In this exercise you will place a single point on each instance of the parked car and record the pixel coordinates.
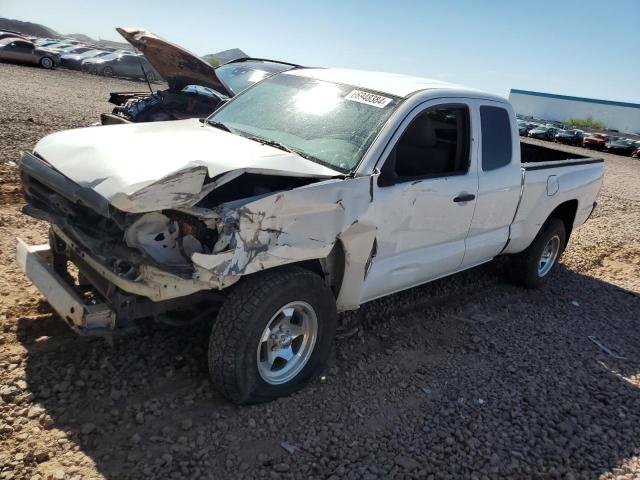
(569, 137)
(72, 49)
(90, 65)
(619, 146)
(196, 88)
(312, 192)
(122, 65)
(595, 141)
(543, 133)
(23, 51)
(56, 45)
(74, 61)
(4, 34)
(43, 42)
(523, 127)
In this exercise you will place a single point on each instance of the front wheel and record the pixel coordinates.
(46, 62)
(272, 335)
(531, 267)
(107, 72)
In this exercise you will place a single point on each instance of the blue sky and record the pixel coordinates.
(583, 48)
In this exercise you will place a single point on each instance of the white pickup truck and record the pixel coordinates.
(311, 193)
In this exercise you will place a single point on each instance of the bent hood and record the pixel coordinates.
(142, 167)
(176, 65)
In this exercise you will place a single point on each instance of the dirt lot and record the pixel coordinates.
(469, 377)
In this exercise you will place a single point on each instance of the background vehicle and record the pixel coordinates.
(123, 65)
(569, 137)
(71, 49)
(23, 51)
(312, 192)
(90, 65)
(594, 141)
(4, 34)
(543, 133)
(619, 146)
(74, 60)
(196, 88)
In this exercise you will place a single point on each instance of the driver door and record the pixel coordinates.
(424, 199)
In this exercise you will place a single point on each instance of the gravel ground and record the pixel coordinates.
(468, 377)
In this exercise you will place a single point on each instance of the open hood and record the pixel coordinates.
(176, 65)
(143, 167)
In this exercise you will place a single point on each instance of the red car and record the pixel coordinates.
(594, 140)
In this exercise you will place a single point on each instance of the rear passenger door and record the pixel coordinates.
(499, 181)
(424, 198)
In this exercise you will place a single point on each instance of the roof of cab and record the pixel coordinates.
(393, 83)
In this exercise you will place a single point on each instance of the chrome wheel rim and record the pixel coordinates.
(549, 255)
(47, 63)
(287, 342)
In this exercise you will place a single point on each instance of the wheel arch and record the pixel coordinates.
(345, 268)
(566, 212)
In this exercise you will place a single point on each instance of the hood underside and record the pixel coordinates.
(176, 65)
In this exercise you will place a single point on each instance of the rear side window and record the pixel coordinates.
(496, 137)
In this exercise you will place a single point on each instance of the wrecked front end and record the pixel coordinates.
(175, 245)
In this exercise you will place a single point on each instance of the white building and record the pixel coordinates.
(621, 116)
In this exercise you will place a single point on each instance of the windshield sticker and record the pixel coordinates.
(368, 98)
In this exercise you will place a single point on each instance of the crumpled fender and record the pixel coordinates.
(294, 226)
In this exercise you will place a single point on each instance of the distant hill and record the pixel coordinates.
(225, 56)
(28, 28)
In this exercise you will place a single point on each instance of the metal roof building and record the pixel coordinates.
(621, 116)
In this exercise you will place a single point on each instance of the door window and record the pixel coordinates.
(436, 144)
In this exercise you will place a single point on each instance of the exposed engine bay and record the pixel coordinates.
(163, 105)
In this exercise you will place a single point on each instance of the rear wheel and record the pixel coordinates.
(531, 267)
(272, 335)
(46, 62)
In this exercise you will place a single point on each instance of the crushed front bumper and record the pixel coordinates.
(35, 262)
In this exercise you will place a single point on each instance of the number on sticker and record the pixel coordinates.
(368, 98)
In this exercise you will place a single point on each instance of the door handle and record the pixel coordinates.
(467, 197)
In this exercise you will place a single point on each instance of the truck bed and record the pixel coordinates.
(537, 157)
(534, 153)
(551, 178)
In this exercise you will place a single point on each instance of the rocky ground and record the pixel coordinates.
(468, 377)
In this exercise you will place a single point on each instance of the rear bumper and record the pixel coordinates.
(35, 262)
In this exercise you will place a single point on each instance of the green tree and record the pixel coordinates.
(587, 122)
(212, 61)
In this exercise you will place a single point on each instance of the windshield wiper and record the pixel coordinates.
(219, 125)
(281, 146)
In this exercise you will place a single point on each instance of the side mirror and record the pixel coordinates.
(388, 175)
(385, 179)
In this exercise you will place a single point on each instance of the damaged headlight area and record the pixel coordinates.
(172, 237)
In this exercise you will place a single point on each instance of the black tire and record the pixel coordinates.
(107, 72)
(525, 266)
(47, 62)
(248, 310)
